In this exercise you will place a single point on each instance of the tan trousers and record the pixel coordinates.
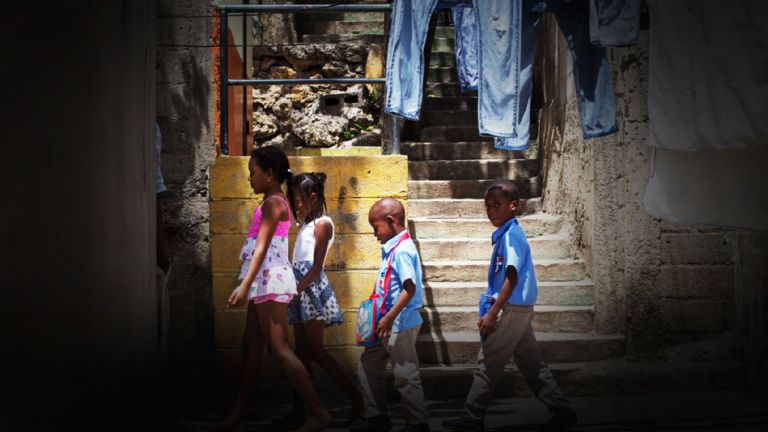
(400, 349)
(513, 337)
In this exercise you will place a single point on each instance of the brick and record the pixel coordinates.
(230, 326)
(352, 286)
(693, 316)
(357, 251)
(225, 251)
(694, 248)
(697, 281)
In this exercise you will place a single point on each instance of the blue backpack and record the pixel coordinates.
(371, 310)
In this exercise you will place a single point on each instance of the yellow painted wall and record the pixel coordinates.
(354, 183)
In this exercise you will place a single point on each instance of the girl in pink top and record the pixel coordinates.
(268, 285)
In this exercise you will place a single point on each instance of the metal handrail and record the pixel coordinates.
(225, 82)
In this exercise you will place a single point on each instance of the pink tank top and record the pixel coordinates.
(282, 226)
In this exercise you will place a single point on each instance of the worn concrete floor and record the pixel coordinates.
(723, 410)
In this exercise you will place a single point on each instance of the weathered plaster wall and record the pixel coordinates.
(658, 283)
(354, 184)
(185, 113)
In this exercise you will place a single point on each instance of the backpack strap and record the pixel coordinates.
(388, 274)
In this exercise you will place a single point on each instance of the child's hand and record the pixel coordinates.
(238, 297)
(487, 324)
(384, 327)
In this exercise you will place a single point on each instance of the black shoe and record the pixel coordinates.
(421, 427)
(379, 423)
(560, 421)
(465, 424)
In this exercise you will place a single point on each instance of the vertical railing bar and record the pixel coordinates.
(223, 87)
(245, 89)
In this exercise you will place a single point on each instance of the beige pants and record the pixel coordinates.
(400, 349)
(513, 337)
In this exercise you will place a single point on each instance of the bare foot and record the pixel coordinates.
(316, 422)
(229, 424)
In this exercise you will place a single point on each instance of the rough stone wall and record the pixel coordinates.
(658, 283)
(185, 113)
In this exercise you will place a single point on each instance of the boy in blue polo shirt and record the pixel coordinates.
(398, 328)
(511, 292)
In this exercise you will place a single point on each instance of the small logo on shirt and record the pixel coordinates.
(499, 263)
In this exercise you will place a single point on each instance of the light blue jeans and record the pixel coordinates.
(614, 22)
(505, 34)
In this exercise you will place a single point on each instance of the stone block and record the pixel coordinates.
(694, 248)
(225, 251)
(223, 284)
(231, 216)
(352, 286)
(373, 177)
(229, 328)
(356, 251)
(697, 281)
(699, 316)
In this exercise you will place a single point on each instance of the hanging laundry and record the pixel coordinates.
(505, 34)
(614, 23)
(708, 74)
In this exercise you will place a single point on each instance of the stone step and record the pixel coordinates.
(551, 270)
(452, 118)
(447, 348)
(442, 74)
(352, 39)
(443, 44)
(528, 187)
(448, 208)
(452, 134)
(340, 27)
(566, 319)
(463, 103)
(427, 228)
(568, 293)
(473, 169)
(445, 32)
(342, 16)
(468, 248)
(419, 151)
(451, 89)
(442, 59)
(591, 378)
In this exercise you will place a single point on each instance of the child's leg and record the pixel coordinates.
(538, 375)
(273, 319)
(253, 341)
(495, 352)
(313, 338)
(401, 347)
(370, 370)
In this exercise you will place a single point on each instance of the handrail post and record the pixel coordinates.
(223, 79)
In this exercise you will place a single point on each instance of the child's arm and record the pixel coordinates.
(272, 213)
(487, 324)
(323, 233)
(385, 324)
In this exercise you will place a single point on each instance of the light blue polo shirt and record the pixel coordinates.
(406, 264)
(510, 248)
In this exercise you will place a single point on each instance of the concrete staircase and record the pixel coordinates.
(355, 28)
(450, 167)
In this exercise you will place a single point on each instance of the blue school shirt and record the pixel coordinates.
(406, 264)
(510, 248)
